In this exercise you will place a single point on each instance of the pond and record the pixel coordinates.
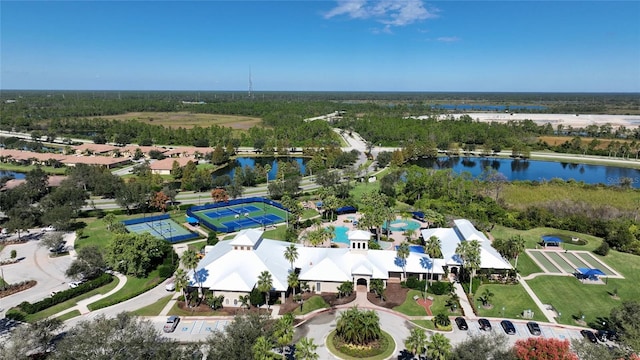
(15, 175)
(535, 170)
(262, 161)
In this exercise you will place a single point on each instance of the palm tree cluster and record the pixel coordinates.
(438, 347)
(358, 327)
(510, 248)
(469, 251)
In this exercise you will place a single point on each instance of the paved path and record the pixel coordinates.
(549, 314)
(464, 301)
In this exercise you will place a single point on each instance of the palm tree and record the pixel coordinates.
(402, 254)
(452, 302)
(328, 234)
(265, 284)
(432, 247)
(292, 281)
(306, 350)
(245, 300)
(486, 296)
(516, 247)
(469, 251)
(441, 320)
(190, 261)
(416, 342)
(439, 347)
(181, 281)
(291, 254)
(283, 332)
(262, 349)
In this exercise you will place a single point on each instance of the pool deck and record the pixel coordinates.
(397, 236)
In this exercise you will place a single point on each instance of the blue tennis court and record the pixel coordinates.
(239, 213)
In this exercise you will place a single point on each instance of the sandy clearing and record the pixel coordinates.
(582, 120)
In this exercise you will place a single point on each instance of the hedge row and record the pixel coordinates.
(63, 296)
(436, 287)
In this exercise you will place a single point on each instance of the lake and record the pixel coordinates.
(15, 175)
(535, 170)
(252, 161)
(476, 107)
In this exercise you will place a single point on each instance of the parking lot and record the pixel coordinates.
(522, 332)
(191, 329)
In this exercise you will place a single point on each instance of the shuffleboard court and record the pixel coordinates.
(544, 261)
(578, 262)
(595, 263)
(566, 267)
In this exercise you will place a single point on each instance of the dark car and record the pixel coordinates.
(485, 325)
(508, 327)
(589, 335)
(607, 335)
(462, 323)
(171, 324)
(534, 328)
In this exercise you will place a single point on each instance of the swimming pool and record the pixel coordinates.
(340, 235)
(402, 225)
(414, 248)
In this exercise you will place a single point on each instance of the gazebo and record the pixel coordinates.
(590, 274)
(551, 241)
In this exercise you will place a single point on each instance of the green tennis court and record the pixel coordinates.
(162, 229)
(241, 216)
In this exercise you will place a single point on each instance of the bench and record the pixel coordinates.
(416, 297)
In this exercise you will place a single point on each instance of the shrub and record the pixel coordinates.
(15, 314)
(165, 271)
(440, 288)
(603, 249)
(212, 239)
(63, 296)
(415, 284)
(14, 253)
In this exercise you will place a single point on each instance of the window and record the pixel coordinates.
(318, 287)
(235, 302)
(226, 301)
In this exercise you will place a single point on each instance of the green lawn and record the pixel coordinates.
(526, 265)
(71, 314)
(385, 355)
(132, 288)
(153, 309)
(410, 307)
(513, 298)
(570, 296)
(534, 236)
(313, 303)
(438, 306)
(279, 233)
(27, 168)
(71, 302)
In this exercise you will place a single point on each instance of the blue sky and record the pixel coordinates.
(359, 45)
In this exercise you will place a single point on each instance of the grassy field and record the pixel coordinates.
(70, 315)
(526, 266)
(313, 303)
(513, 298)
(153, 309)
(521, 196)
(188, 120)
(570, 296)
(279, 233)
(559, 140)
(534, 236)
(26, 168)
(410, 307)
(132, 288)
(71, 302)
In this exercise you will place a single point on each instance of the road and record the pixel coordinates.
(36, 264)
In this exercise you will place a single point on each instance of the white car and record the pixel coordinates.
(170, 287)
(75, 284)
(49, 228)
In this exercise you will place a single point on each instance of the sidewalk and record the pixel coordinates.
(464, 301)
(82, 305)
(546, 312)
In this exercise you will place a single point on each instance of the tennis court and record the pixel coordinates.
(162, 227)
(239, 214)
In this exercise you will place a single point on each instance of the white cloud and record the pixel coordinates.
(387, 12)
(448, 39)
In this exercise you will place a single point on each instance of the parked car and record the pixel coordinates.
(485, 325)
(53, 293)
(589, 335)
(170, 286)
(171, 324)
(462, 323)
(49, 228)
(508, 327)
(607, 335)
(534, 328)
(75, 284)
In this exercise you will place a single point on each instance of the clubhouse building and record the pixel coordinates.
(231, 268)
